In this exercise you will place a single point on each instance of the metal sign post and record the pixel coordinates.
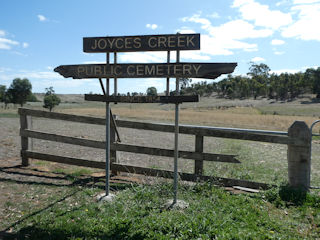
(168, 79)
(115, 79)
(107, 131)
(176, 141)
(142, 43)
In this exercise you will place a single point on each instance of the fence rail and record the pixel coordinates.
(294, 141)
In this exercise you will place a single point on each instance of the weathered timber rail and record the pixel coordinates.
(296, 141)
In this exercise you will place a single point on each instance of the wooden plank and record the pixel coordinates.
(142, 99)
(62, 116)
(64, 160)
(141, 170)
(250, 190)
(128, 148)
(182, 154)
(63, 139)
(228, 182)
(259, 136)
(233, 133)
(164, 42)
(198, 165)
(146, 70)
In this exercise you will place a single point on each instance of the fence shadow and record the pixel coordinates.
(84, 182)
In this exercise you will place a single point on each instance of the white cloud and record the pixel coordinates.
(194, 55)
(41, 18)
(151, 82)
(93, 62)
(305, 27)
(2, 33)
(258, 59)
(223, 45)
(9, 74)
(43, 79)
(197, 19)
(239, 29)
(143, 57)
(277, 42)
(278, 53)
(306, 67)
(288, 70)
(261, 15)
(222, 39)
(45, 75)
(281, 3)
(152, 26)
(214, 15)
(7, 43)
(285, 71)
(185, 30)
(305, 1)
(25, 45)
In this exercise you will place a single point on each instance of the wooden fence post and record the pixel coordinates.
(30, 126)
(299, 156)
(24, 140)
(113, 153)
(198, 164)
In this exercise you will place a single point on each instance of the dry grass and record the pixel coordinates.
(242, 117)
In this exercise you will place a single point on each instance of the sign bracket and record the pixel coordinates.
(111, 115)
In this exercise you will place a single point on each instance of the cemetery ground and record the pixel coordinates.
(56, 201)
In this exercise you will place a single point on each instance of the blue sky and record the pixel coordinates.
(37, 36)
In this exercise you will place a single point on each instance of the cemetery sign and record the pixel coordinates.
(166, 42)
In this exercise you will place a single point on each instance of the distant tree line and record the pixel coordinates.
(19, 92)
(260, 83)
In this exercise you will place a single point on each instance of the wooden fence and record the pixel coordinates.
(298, 140)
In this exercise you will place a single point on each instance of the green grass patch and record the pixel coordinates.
(289, 110)
(315, 137)
(260, 162)
(40, 163)
(8, 115)
(138, 212)
(73, 172)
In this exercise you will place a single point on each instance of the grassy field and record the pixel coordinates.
(258, 114)
(40, 210)
(139, 212)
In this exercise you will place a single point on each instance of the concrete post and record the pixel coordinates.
(299, 156)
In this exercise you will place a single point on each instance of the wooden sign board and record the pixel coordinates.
(141, 99)
(167, 42)
(153, 70)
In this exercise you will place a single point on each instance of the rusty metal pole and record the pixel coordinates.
(168, 79)
(107, 130)
(176, 140)
(115, 79)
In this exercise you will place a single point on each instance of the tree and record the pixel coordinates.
(32, 98)
(19, 90)
(184, 82)
(152, 91)
(313, 76)
(7, 99)
(50, 99)
(3, 89)
(261, 69)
